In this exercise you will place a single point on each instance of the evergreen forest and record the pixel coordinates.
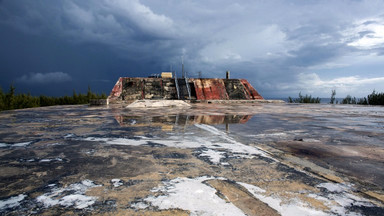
(10, 100)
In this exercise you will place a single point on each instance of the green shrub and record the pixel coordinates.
(372, 99)
(376, 98)
(348, 100)
(362, 101)
(304, 99)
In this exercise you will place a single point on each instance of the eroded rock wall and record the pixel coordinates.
(165, 88)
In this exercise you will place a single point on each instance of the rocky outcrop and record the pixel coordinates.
(127, 89)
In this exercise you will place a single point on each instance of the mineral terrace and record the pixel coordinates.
(204, 159)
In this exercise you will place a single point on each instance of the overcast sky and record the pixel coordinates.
(281, 47)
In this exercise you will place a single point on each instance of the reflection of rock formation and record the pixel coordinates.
(167, 122)
(221, 119)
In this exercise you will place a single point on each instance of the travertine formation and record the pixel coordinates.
(194, 89)
(210, 159)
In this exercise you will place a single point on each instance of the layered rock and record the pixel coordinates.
(127, 88)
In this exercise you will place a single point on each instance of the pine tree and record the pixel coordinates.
(10, 98)
(333, 97)
(2, 104)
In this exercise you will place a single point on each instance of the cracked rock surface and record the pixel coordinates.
(206, 159)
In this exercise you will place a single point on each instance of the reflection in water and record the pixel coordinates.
(169, 121)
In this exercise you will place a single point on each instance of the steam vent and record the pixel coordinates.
(167, 88)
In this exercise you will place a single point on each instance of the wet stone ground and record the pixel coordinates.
(210, 159)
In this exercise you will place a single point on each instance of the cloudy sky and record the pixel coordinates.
(281, 47)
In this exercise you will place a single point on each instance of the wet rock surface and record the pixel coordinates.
(208, 159)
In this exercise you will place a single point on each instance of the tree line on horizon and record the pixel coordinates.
(372, 99)
(10, 100)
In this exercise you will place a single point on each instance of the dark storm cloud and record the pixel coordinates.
(268, 42)
(314, 54)
(40, 78)
(123, 24)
